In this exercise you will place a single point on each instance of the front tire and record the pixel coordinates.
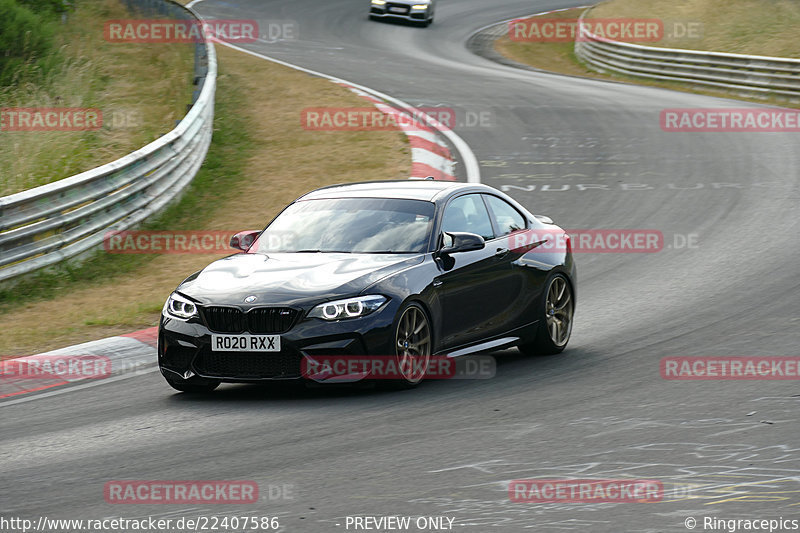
(555, 318)
(413, 343)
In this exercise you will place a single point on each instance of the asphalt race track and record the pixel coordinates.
(601, 410)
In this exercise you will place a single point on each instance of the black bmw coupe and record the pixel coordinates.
(406, 270)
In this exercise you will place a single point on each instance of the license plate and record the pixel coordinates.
(245, 343)
(398, 9)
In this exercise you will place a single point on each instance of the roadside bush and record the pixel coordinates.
(25, 38)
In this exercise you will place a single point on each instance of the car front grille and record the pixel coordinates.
(404, 8)
(244, 365)
(259, 320)
(271, 319)
(224, 319)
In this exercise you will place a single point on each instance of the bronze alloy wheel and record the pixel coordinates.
(555, 318)
(413, 344)
(558, 311)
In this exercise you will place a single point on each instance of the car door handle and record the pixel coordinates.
(501, 252)
(437, 282)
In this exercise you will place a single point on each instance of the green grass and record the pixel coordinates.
(560, 58)
(753, 27)
(120, 317)
(140, 88)
(213, 184)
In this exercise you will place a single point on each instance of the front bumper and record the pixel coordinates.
(390, 10)
(184, 348)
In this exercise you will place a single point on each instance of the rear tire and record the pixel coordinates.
(555, 318)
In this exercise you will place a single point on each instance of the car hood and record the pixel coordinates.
(291, 278)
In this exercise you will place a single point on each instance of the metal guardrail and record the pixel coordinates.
(46, 225)
(753, 75)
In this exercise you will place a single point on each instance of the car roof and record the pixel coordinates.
(428, 190)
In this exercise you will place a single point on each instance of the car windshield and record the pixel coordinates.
(351, 225)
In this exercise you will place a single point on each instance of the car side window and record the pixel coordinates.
(507, 218)
(468, 214)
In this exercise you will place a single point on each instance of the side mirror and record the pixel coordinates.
(243, 240)
(463, 242)
(544, 219)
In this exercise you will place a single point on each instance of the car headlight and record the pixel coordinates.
(179, 307)
(378, 2)
(349, 308)
(419, 6)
